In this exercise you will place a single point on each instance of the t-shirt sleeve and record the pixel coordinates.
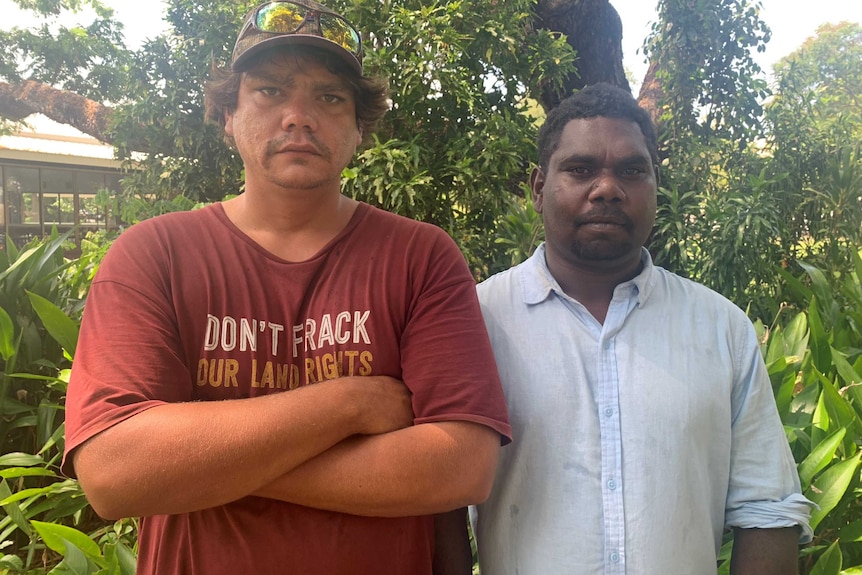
(446, 355)
(128, 357)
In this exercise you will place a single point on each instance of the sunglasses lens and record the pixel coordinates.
(287, 18)
(337, 30)
(280, 17)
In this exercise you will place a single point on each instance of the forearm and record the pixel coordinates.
(183, 457)
(421, 470)
(765, 551)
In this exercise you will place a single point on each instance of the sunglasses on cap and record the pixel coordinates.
(285, 17)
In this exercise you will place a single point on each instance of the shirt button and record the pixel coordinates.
(608, 412)
(615, 557)
(607, 345)
(612, 484)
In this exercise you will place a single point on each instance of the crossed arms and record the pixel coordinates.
(345, 445)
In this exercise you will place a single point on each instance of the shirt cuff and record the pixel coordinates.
(792, 511)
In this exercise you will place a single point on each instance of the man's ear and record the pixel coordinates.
(228, 122)
(537, 184)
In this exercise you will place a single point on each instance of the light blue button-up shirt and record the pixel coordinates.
(637, 441)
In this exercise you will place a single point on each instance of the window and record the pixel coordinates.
(34, 199)
(21, 187)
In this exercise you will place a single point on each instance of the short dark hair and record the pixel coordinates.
(371, 93)
(595, 101)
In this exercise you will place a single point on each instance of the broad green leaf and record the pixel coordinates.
(840, 412)
(12, 406)
(851, 532)
(789, 343)
(819, 284)
(36, 377)
(828, 489)
(74, 562)
(794, 285)
(796, 337)
(55, 536)
(19, 459)
(724, 557)
(818, 339)
(26, 494)
(61, 327)
(830, 562)
(7, 335)
(784, 394)
(821, 421)
(13, 511)
(14, 472)
(126, 559)
(775, 351)
(820, 457)
(845, 370)
(12, 562)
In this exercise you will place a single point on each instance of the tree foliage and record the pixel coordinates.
(814, 130)
(465, 75)
(702, 63)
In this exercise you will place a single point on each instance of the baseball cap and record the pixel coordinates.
(299, 23)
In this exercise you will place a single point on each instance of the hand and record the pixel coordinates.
(384, 404)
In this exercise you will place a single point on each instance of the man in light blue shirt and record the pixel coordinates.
(643, 416)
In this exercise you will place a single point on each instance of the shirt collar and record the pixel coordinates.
(537, 283)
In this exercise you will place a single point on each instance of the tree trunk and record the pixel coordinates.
(594, 29)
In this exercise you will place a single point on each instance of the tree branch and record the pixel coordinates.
(19, 100)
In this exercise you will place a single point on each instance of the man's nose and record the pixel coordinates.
(606, 188)
(298, 114)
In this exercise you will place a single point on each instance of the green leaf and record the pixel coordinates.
(845, 370)
(840, 412)
(820, 353)
(126, 559)
(74, 562)
(56, 536)
(23, 494)
(7, 335)
(829, 562)
(819, 284)
(12, 562)
(14, 472)
(851, 532)
(828, 489)
(59, 325)
(820, 456)
(18, 459)
(13, 511)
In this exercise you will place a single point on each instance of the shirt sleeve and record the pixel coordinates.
(446, 355)
(764, 490)
(129, 357)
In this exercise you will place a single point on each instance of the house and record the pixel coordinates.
(53, 175)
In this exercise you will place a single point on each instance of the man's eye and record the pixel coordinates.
(579, 170)
(268, 91)
(633, 171)
(332, 98)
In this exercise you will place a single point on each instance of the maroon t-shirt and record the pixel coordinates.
(186, 307)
